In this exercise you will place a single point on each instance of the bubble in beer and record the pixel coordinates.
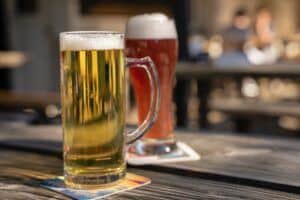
(151, 26)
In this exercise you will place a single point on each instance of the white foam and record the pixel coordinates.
(91, 40)
(151, 26)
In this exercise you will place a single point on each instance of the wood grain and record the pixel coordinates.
(20, 174)
(267, 159)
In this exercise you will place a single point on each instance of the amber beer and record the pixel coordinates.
(154, 35)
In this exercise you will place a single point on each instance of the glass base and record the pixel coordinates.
(153, 147)
(93, 181)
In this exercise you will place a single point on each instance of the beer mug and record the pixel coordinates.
(93, 106)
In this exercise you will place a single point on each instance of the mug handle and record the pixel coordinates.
(148, 65)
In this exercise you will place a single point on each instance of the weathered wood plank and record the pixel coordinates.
(270, 159)
(166, 186)
(256, 158)
(21, 172)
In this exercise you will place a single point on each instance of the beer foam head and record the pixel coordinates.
(91, 40)
(151, 26)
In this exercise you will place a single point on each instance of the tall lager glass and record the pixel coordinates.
(93, 106)
(154, 35)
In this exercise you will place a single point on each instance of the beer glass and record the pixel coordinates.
(93, 106)
(153, 35)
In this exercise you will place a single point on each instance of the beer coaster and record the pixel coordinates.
(131, 181)
(183, 153)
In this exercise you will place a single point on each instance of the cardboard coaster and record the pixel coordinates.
(184, 153)
(131, 181)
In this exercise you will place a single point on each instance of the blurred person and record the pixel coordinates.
(197, 47)
(264, 27)
(264, 47)
(238, 32)
(235, 37)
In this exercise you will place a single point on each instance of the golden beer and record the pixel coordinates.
(93, 111)
(93, 107)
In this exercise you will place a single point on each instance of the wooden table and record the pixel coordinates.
(232, 167)
(205, 73)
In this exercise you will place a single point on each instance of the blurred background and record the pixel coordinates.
(238, 67)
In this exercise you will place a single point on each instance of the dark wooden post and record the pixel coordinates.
(181, 92)
(5, 75)
(204, 89)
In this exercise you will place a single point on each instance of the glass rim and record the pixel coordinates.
(83, 33)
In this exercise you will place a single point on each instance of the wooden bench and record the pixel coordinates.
(38, 102)
(206, 73)
(248, 107)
